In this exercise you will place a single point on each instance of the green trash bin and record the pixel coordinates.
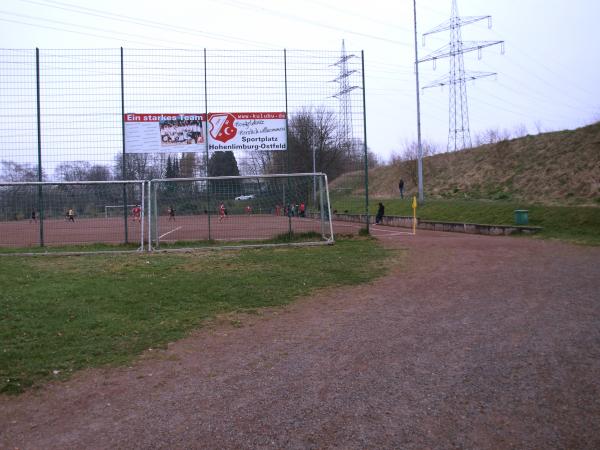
(521, 216)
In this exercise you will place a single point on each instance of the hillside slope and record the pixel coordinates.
(551, 168)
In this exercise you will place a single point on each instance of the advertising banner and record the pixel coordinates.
(173, 133)
(256, 131)
(166, 133)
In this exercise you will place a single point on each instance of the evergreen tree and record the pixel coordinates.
(222, 164)
(176, 173)
(169, 169)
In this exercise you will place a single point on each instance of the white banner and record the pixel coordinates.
(246, 131)
(173, 133)
(166, 133)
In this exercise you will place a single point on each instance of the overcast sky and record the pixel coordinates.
(548, 78)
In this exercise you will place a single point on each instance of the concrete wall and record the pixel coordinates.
(456, 227)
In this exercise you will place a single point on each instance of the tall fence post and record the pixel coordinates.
(206, 143)
(124, 160)
(149, 215)
(287, 170)
(362, 58)
(156, 213)
(39, 143)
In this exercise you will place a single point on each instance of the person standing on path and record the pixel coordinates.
(401, 187)
(380, 213)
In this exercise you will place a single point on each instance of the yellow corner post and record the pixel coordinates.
(414, 207)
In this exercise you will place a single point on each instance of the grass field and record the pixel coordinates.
(554, 168)
(579, 224)
(62, 314)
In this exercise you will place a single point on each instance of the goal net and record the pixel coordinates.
(240, 210)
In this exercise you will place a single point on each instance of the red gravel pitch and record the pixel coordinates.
(112, 230)
(471, 342)
(23, 233)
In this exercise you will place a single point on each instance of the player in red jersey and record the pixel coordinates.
(136, 212)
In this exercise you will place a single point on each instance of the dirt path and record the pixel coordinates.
(476, 342)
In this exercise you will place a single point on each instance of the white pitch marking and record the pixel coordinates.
(399, 233)
(388, 231)
(169, 232)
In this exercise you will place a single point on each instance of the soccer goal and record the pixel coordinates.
(117, 210)
(67, 214)
(240, 211)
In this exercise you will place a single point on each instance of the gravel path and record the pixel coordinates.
(470, 342)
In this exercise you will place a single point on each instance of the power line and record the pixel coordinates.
(359, 15)
(87, 27)
(539, 96)
(519, 107)
(253, 7)
(83, 33)
(142, 22)
(551, 71)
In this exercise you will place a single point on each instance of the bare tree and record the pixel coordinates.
(373, 159)
(409, 154)
(16, 172)
(81, 171)
(258, 163)
(138, 166)
(314, 133)
(538, 126)
(520, 130)
(492, 136)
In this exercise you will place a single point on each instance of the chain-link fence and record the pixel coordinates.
(63, 115)
(62, 214)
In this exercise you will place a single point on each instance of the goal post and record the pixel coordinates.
(116, 210)
(67, 214)
(240, 210)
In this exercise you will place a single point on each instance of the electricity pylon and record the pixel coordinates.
(459, 135)
(343, 95)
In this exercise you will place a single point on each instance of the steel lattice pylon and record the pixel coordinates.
(343, 95)
(459, 135)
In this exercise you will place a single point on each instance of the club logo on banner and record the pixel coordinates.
(222, 127)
